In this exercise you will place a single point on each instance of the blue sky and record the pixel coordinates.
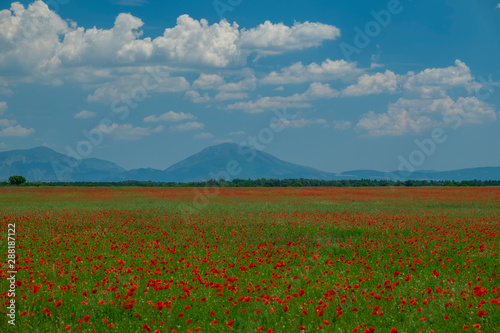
(364, 84)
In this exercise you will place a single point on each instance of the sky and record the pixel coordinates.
(334, 85)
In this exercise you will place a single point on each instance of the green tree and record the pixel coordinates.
(17, 180)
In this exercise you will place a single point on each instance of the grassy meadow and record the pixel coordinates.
(252, 259)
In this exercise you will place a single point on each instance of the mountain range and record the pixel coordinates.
(227, 160)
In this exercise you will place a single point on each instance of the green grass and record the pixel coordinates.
(88, 240)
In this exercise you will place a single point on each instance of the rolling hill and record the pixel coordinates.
(227, 160)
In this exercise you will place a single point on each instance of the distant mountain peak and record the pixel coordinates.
(229, 161)
(223, 145)
(41, 148)
(226, 147)
(225, 160)
(44, 164)
(34, 150)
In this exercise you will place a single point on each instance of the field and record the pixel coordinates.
(252, 259)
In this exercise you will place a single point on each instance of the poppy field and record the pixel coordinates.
(251, 259)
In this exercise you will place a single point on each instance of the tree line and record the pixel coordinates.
(264, 182)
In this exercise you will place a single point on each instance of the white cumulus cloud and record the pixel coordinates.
(429, 83)
(414, 115)
(196, 97)
(341, 125)
(10, 129)
(297, 123)
(131, 88)
(370, 84)
(16, 130)
(319, 90)
(3, 107)
(225, 96)
(269, 38)
(128, 131)
(37, 44)
(433, 82)
(274, 102)
(84, 114)
(326, 71)
(208, 81)
(170, 116)
(315, 91)
(246, 84)
(189, 126)
(7, 122)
